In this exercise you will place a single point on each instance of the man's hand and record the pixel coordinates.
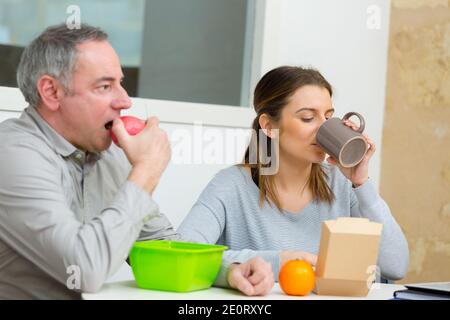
(148, 152)
(253, 278)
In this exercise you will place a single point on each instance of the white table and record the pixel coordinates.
(128, 290)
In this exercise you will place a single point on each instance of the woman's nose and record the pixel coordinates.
(322, 120)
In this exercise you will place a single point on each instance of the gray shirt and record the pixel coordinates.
(63, 210)
(228, 212)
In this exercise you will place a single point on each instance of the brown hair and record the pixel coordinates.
(271, 94)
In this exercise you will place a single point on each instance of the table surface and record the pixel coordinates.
(128, 290)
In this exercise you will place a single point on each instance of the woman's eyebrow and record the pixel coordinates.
(313, 110)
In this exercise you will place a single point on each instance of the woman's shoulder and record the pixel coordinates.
(228, 186)
(235, 175)
(230, 179)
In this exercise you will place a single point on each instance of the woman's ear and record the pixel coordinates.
(51, 92)
(266, 125)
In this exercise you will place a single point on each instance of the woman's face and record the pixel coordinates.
(308, 108)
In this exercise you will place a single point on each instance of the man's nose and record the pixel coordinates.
(122, 101)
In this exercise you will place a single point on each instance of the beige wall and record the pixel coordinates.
(415, 170)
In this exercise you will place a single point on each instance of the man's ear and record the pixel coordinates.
(266, 125)
(51, 92)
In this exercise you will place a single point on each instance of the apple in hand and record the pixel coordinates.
(133, 126)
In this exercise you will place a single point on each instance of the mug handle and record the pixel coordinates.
(361, 120)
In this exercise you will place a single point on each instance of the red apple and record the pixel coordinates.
(133, 126)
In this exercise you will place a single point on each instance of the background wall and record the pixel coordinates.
(415, 170)
(338, 39)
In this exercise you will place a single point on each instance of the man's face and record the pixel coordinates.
(96, 97)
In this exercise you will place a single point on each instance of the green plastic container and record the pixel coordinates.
(175, 266)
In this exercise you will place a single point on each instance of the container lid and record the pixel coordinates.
(178, 246)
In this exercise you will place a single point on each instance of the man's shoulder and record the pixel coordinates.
(20, 142)
(11, 126)
(17, 133)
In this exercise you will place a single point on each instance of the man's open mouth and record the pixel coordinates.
(108, 125)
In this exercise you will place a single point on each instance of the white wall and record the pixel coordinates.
(198, 152)
(334, 37)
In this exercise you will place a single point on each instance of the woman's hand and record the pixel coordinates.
(285, 256)
(252, 278)
(360, 173)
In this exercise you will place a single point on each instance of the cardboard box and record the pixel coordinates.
(347, 257)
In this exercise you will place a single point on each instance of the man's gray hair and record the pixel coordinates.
(53, 53)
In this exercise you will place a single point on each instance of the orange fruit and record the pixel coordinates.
(297, 278)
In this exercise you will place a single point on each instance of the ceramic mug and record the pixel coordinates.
(342, 142)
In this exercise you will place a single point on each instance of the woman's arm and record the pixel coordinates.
(393, 256)
(202, 225)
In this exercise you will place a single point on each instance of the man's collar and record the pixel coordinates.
(57, 141)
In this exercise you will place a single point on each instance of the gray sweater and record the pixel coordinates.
(228, 212)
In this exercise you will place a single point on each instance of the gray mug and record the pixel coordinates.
(342, 142)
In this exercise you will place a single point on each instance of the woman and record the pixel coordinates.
(278, 216)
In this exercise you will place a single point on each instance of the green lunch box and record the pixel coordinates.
(175, 266)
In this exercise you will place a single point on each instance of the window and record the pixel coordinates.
(179, 50)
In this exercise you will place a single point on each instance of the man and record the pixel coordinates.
(69, 199)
